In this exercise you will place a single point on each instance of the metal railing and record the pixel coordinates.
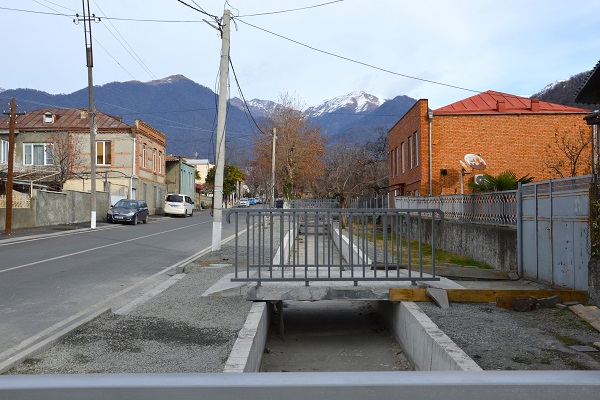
(417, 385)
(306, 245)
(494, 208)
(314, 203)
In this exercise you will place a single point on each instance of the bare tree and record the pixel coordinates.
(569, 154)
(298, 153)
(67, 155)
(355, 170)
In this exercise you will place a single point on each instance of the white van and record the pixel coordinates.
(178, 204)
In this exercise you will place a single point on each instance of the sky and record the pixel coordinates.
(313, 50)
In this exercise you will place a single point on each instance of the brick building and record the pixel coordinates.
(509, 132)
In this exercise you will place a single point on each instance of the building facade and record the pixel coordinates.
(509, 132)
(52, 149)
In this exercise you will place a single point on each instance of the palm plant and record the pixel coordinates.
(506, 180)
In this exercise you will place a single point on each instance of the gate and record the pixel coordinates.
(554, 231)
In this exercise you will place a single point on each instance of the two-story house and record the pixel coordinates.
(52, 149)
(426, 147)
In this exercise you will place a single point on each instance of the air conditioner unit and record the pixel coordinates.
(478, 178)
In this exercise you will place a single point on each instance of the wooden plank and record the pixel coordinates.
(490, 295)
(590, 314)
(487, 295)
(409, 294)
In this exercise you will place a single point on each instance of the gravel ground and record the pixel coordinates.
(504, 339)
(177, 331)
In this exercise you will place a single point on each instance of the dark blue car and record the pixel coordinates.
(131, 211)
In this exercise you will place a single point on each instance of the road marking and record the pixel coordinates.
(98, 248)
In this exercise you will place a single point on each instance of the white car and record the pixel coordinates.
(244, 202)
(178, 204)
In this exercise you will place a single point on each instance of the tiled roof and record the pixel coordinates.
(64, 119)
(492, 102)
(589, 92)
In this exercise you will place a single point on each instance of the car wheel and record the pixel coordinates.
(135, 220)
(145, 220)
(192, 213)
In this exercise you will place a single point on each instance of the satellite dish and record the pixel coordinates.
(475, 161)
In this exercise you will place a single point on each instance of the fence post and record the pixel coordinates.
(520, 229)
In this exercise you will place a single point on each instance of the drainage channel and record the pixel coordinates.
(331, 336)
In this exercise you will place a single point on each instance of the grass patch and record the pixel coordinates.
(441, 256)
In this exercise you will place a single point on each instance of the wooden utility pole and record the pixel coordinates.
(87, 29)
(220, 146)
(11, 158)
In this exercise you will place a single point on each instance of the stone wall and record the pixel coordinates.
(494, 245)
(54, 208)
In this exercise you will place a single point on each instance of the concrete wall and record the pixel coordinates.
(54, 208)
(422, 341)
(491, 244)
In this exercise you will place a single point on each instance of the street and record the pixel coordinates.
(46, 283)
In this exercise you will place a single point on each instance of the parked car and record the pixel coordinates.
(251, 201)
(258, 200)
(178, 204)
(244, 202)
(131, 211)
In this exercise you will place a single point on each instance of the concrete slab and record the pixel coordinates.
(439, 296)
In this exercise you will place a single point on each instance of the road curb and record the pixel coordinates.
(49, 342)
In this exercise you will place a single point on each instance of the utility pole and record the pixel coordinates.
(87, 30)
(273, 168)
(220, 146)
(11, 157)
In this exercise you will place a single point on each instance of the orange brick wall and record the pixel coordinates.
(518, 142)
(414, 121)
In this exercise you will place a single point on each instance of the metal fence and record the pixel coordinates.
(20, 201)
(314, 203)
(305, 245)
(417, 385)
(494, 208)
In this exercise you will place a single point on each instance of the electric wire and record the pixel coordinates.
(291, 10)
(246, 107)
(127, 48)
(356, 61)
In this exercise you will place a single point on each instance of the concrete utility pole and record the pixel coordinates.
(11, 157)
(87, 29)
(220, 146)
(273, 168)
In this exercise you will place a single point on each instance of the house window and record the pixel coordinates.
(154, 160)
(410, 153)
(37, 154)
(3, 152)
(403, 156)
(416, 141)
(103, 153)
(396, 160)
(160, 161)
(144, 156)
(48, 117)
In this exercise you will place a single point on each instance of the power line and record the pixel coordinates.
(135, 56)
(291, 10)
(243, 98)
(356, 61)
(199, 9)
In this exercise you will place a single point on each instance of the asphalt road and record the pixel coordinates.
(48, 282)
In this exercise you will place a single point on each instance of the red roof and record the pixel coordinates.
(491, 102)
(64, 119)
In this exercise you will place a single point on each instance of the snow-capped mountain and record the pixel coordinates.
(355, 102)
(258, 108)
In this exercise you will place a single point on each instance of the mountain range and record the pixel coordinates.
(186, 111)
